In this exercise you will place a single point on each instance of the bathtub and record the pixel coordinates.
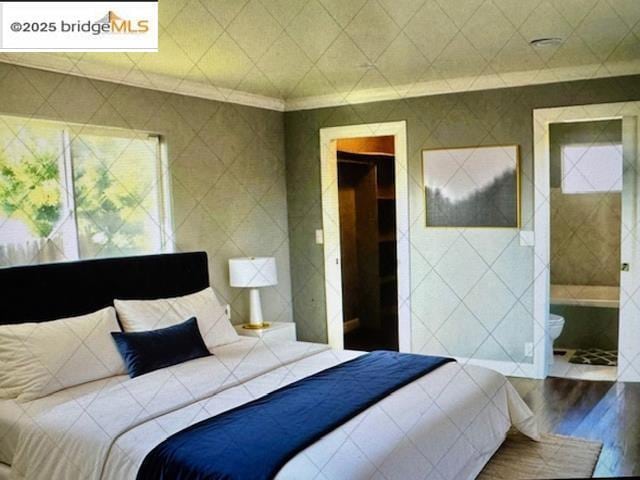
(585, 296)
(590, 313)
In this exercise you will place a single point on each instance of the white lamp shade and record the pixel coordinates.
(253, 272)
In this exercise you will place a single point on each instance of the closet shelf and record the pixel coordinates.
(387, 238)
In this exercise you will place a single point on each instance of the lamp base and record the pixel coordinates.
(256, 326)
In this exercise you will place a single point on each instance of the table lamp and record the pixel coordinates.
(253, 273)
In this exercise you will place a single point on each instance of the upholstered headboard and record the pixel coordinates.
(57, 290)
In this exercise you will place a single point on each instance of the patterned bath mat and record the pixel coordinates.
(595, 356)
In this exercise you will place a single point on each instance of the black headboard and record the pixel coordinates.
(57, 290)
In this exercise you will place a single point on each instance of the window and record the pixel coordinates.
(591, 168)
(69, 192)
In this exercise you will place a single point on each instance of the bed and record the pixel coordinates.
(444, 425)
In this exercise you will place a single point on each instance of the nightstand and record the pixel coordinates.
(277, 331)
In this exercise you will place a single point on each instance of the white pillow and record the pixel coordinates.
(41, 358)
(215, 327)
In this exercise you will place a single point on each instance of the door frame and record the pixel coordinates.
(331, 225)
(628, 354)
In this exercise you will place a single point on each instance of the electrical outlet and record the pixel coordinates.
(319, 237)
(528, 349)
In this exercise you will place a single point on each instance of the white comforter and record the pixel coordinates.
(446, 424)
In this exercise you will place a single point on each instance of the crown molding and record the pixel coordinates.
(465, 84)
(136, 78)
(165, 83)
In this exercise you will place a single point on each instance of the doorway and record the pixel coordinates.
(365, 190)
(586, 230)
(619, 128)
(366, 197)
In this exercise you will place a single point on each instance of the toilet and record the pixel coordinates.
(556, 324)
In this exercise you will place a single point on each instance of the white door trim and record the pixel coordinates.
(629, 353)
(331, 225)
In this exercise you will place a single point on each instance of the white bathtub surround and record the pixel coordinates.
(585, 296)
(562, 368)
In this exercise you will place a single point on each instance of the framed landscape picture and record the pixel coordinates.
(472, 186)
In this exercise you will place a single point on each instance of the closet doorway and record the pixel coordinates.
(365, 236)
(366, 197)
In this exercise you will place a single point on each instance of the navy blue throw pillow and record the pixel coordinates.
(144, 352)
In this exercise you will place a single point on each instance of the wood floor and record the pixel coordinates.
(604, 411)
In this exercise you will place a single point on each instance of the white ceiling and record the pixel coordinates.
(307, 53)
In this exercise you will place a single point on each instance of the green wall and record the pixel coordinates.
(587, 327)
(226, 163)
(586, 227)
(471, 289)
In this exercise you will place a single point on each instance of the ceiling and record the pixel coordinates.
(305, 53)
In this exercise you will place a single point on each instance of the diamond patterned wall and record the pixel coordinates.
(226, 163)
(471, 289)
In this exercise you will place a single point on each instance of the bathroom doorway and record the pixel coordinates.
(585, 240)
(586, 165)
(366, 191)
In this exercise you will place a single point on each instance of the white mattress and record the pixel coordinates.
(446, 424)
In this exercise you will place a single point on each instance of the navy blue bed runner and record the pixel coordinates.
(255, 440)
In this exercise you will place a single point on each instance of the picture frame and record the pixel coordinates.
(472, 187)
